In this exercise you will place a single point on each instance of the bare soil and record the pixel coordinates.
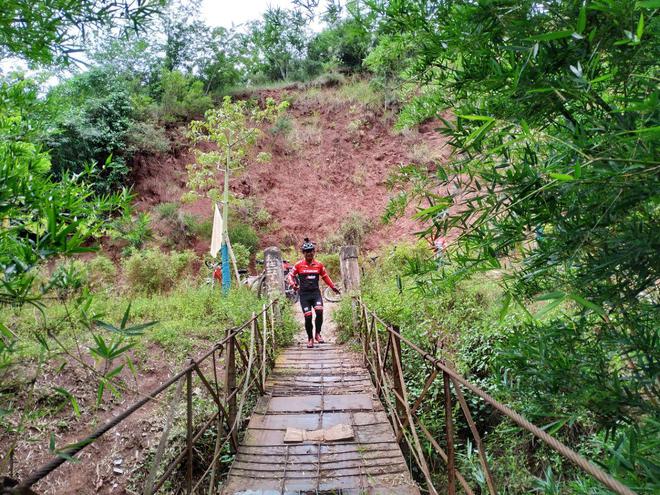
(334, 162)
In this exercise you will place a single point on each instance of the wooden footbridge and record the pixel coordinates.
(314, 389)
(285, 443)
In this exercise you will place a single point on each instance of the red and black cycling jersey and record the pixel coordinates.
(308, 276)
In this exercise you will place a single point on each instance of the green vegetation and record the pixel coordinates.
(547, 296)
(463, 322)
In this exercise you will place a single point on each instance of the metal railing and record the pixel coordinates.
(383, 358)
(245, 366)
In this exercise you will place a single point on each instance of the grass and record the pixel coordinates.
(358, 93)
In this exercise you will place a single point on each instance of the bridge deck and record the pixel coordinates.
(312, 389)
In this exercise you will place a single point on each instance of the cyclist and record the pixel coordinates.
(309, 271)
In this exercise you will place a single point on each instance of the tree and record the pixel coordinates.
(41, 217)
(52, 31)
(91, 127)
(281, 38)
(233, 127)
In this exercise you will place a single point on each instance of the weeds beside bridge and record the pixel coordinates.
(244, 358)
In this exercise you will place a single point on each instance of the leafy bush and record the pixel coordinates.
(351, 232)
(242, 255)
(69, 278)
(201, 227)
(242, 233)
(152, 271)
(133, 230)
(282, 126)
(92, 125)
(167, 211)
(181, 97)
(101, 272)
(147, 138)
(331, 263)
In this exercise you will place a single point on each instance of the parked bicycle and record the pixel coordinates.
(257, 283)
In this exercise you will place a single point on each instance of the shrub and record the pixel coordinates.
(182, 97)
(283, 125)
(242, 233)
(152, 271)
(264, 157)
(242, 255)
(133, 230)
(101, 272)
(68, 278)
(331, 263)
(146, 138)
(167, 211)
(352, 231)
(200, 227)
(92, 127)
(329, 80)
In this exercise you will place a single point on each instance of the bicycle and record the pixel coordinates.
(331, 296)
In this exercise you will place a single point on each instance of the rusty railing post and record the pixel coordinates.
(259, 346)
(264, 343)
(230, 388)
(189, 433)
(397, 370)
(449, 427)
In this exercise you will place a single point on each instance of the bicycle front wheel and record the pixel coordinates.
(330, 295)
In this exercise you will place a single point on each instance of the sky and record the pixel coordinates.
(225, 12)
(214, 12)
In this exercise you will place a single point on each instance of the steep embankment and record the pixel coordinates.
(330, 158)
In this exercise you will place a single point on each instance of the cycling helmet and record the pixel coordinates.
(307, 245)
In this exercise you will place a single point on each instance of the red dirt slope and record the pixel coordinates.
(334, 161)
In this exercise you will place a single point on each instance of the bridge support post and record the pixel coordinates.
(350, 276)
(274, 276)
(350, 270)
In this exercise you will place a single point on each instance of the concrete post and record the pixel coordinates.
(350, 276)
(274, 276)
(350, 270)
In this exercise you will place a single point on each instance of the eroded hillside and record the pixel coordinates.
(330, 158)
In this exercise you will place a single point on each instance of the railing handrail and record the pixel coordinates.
(63, 456)
(580, 461)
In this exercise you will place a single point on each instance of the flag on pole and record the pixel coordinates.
(217, 234)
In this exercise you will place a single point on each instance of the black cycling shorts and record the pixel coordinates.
(311, 301)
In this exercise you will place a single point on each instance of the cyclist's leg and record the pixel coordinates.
(307, 303)
(318, 309)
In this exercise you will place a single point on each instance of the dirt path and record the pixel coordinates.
(313, 389)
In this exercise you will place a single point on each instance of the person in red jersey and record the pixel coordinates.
(305, 277)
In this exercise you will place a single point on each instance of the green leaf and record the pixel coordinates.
(582, 20)
(648, 4)
(561, 177)
(588, 304)
(549, 307)
(71, 398)
(640, 27)
(5, 331)
(51, 443)
(555, 35)
(139, 329)
(99, 393)
(550, 295)
(125, 318)
(483, 118)
(114, 372)
(506, 303)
